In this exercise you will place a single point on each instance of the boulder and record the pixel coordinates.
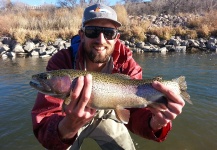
(153, 39)
(4, 47)
(163, 50)
(50, 50)
(18, 48)
(193, 43)
(29, 46)
(34, 53)
(140, 45)
(11, 54)
(180, 48)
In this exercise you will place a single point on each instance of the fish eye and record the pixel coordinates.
(45, 76)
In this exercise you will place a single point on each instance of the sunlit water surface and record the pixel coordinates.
(194, 129)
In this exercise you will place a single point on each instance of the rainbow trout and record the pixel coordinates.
(109, 91)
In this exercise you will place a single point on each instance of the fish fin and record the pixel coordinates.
(183, 87)
(67, 100)
(182, 83)
(186, 97)
(158, 78)
(122, 114)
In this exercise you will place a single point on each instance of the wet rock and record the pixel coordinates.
(163, 50)
(4, 47)
(193, 43)
(140, 45)
(59, 43)
(18, 48)
(11, 54)
(174, 42)
(153, 39)
(67, 44)
(34, 53)
(163, 42)
(29, 46)
(180, 48)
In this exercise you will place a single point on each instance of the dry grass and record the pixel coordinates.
(198, 26)
(205, 25)
(139, 30)
(122, 14)
(47, 25)
(163, 33)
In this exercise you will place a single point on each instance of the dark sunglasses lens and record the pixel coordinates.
(110, 33)
(93, 32)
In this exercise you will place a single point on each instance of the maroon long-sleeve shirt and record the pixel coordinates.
(47, 111)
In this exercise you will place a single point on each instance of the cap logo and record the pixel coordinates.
(100, 10)
(97, 9)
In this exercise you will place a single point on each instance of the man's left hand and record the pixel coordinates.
(174, 107)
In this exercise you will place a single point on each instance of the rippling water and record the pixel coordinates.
(194, 129)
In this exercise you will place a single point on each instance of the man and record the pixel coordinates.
(99, 50)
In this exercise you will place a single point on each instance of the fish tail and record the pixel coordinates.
(183, 87)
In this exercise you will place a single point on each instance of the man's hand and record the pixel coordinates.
(77, 113)
(174, 105)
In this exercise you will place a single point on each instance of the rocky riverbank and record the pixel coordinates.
(175, 44)
(10, 48)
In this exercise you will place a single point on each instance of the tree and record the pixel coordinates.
(7, 4)
(67, 3)
(74, 3)
(210, 5)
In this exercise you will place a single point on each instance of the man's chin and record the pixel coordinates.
(99, 61)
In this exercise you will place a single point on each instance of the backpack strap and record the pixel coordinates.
(75, 41)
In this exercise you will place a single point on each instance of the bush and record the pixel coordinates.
(45, 24)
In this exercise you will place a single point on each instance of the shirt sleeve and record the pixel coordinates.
(47, 110)
(139, 124)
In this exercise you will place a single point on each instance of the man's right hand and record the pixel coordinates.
(77, 113)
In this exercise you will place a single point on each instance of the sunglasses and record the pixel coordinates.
(94, 32)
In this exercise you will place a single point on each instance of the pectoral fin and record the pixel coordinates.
(66, 102)
(122, 114)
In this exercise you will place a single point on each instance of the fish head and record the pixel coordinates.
(52, 83)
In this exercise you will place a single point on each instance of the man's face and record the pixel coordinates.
(98, 49)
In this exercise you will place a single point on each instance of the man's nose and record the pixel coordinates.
(101, 39)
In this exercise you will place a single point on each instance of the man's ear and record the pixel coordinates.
(118, 36)
(81, 34)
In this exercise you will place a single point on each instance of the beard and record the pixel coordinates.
(98, 57)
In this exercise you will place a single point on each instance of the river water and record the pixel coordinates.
(194, 129)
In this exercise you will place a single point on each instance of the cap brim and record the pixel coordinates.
(117, 24)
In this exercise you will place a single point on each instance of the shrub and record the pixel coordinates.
(163, 32)
(122, 15)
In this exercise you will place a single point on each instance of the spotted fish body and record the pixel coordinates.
(109, 91)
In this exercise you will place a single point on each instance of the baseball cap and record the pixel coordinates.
(100, 11)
